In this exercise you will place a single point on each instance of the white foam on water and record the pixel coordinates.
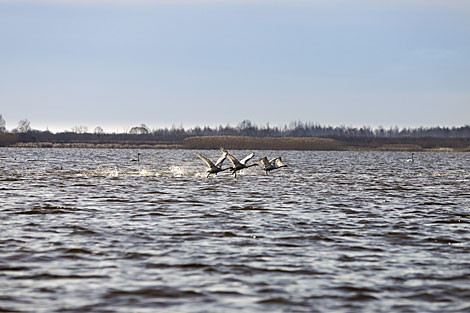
(144, 172)
(113, 173)
(105, 171)
(177, 171)
(200, 174)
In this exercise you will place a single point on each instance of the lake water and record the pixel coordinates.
(86, 230)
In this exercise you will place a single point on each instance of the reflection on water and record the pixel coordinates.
(89, 231)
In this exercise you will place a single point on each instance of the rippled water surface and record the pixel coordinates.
(89, 231)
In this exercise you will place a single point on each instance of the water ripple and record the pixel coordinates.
(85, 230)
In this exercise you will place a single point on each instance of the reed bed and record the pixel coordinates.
(400, 147)
(262, 143)
(8, 139)
(258, 143)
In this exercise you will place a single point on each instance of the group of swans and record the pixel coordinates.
(239, 165)
(268, 165)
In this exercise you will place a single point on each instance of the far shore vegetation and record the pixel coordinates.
(246, 135)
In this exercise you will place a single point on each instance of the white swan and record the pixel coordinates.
(217, 167)
(412, 158)
(239, 165)
(136, 160)
(274, 164)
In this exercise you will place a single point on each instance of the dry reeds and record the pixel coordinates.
(400, 147)
(249, 142)
(262, 143)
(7, 139)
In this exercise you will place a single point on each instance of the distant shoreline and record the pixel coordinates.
(87, 145)
(272, 143)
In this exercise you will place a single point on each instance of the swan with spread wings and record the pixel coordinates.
(217, 167)
(274, 164)
(240, 165)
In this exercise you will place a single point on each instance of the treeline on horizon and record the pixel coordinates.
(177, 135)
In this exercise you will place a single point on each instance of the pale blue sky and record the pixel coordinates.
(117, 64)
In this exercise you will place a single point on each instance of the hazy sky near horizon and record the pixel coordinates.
(117, 64)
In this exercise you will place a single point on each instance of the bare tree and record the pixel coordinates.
(2, 124)
(24, 126)
(98, 130)
(138, 130)
(80, 129)
(245, 124)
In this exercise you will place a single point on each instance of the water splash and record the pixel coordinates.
(177, 171)
(106, 171)
(200, 174)
(143, 172)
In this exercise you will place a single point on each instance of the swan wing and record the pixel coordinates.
(232, 159)
(221, 159)
(265, 162)
(206, 160)
(247, 158)
(278, 162)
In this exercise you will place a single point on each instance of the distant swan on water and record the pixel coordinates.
(217, 167)
(239, 165)
(136, 160)
(274, 164)
(412, 159)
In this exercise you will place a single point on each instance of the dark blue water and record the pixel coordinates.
(89, 231)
